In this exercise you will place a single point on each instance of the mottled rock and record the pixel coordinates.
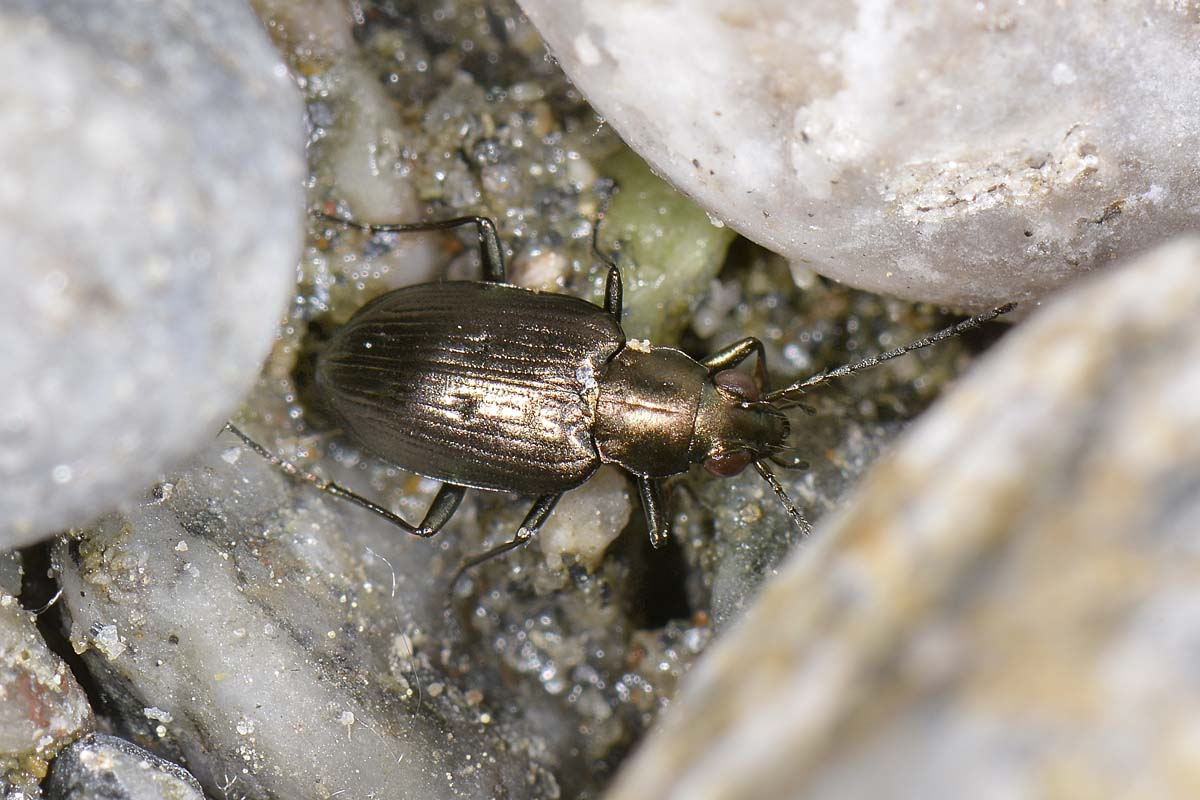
(151, 206)
(42, 707)
(960, 153)
(666, 247)
(1008, 603)
(103, 767)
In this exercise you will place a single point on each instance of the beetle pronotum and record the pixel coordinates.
(480, 384)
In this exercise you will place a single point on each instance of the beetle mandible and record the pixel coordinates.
(485, 385)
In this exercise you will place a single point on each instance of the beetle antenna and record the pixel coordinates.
(867, 363)
(796, 515)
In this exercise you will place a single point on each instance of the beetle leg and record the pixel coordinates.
(439, 513)
(733, 354)
(612, 293)
(532, 523)
(656, 521)
(490, 252)
(444, 504)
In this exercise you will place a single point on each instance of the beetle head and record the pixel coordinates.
(734, 427)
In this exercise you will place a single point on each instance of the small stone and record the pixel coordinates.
(42, 708)
(107, 639)
(245, 705)
(587, 520)
(103, 767)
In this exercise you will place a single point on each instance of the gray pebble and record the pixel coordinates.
(103, 767)
(151, 208)
(969, 154)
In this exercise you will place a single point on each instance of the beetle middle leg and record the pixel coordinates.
(444, 504)
(490, 252)
(532, 523)
(651, 492)
(733, 354)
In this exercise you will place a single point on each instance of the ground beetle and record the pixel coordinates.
(480, 384)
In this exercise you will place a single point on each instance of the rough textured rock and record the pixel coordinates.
(276, 642)
(103, 767)
(151, 206)
(960, 153)
(1008, 603)
(42, 707)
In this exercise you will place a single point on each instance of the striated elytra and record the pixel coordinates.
(480, 384)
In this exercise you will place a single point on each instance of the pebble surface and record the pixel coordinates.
(967, 154)
(151, 207)
(103, 767)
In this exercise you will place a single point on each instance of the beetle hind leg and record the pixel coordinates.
(440, 510)
(532, 523)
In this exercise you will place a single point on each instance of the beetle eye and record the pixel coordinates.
(737, 384)
(726, 465)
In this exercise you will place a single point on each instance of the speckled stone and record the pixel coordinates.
(103, 767)
(1011, 601)
(42, 708)
(151, 158)
(959, 153)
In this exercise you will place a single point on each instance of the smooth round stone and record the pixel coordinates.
(961, 153)
(151, 206)
(1009, 604)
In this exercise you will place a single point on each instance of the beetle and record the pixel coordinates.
(486, 385)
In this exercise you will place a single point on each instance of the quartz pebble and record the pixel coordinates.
(151, 207)
(967, 154)
(1011, 598)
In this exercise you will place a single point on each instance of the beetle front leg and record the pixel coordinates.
(731, 355)
(532, 523)
(652, 504)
